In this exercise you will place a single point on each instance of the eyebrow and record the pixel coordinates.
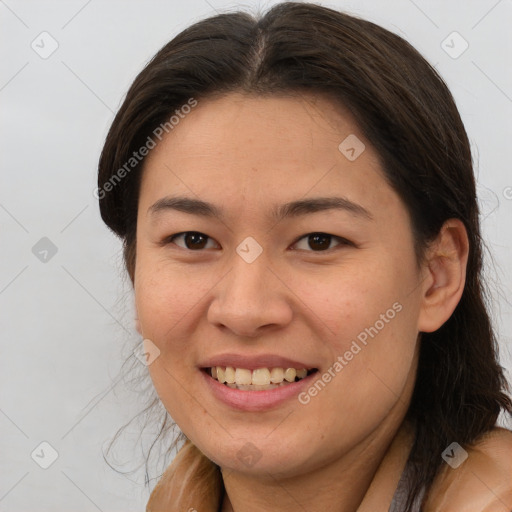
(291, 209)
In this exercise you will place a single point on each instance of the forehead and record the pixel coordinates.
(271, 125)
(265, 149)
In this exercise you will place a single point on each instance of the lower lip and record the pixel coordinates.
(256, 400)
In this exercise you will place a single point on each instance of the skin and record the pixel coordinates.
(483, 482)
(245, 155)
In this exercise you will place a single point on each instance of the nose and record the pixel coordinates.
(251, 300)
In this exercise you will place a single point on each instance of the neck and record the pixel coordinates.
(359, 481)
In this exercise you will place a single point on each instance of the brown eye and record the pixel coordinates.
(192, 240)
(318, 242)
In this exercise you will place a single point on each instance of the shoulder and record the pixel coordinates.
(482, 483)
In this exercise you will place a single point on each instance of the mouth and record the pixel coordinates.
(259, 379)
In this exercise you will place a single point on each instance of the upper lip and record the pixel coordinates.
(253, 362)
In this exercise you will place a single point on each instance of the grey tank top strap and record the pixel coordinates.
(400, 496)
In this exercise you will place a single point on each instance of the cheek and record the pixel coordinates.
(165, 305)
(349, 300)
(165, 297)
(366, 323)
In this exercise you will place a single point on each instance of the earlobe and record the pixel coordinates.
(445, 266)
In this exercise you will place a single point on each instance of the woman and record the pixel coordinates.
(297, 204)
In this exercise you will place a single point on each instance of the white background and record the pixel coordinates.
(67, 324)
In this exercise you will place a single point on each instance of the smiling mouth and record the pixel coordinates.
(260, 379)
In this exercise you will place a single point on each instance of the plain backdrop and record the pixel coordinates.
(65, 307)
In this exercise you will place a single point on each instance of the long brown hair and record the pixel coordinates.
(405, 110)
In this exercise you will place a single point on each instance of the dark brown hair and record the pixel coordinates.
(407, 113)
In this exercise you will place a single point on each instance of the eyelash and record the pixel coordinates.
(342, 241)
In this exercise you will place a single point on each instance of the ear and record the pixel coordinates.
(444, 275)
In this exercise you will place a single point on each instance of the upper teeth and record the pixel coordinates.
(258, 377)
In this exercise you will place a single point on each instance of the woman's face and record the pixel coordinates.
(253, 288)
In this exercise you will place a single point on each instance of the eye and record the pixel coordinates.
(192, 240)
(320, 242)
(312, 242)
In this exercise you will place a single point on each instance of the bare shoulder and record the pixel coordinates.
(481, 483)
